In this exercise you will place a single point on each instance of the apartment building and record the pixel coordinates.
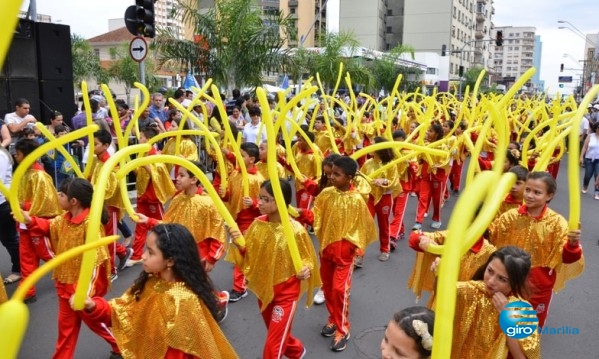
(367, 21)
(517, 54)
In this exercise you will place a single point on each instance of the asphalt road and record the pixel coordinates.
(379, 289)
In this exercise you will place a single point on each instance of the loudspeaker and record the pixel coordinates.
(21, 60)
(54, 51)
(57, 95)
(14, 88)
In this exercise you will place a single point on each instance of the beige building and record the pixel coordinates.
(367, 21)
(516, 55)
(310, 17)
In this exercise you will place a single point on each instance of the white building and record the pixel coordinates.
(516, 55)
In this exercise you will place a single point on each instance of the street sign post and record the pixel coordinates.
(138, 49)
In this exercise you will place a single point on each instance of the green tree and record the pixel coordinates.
(386, 68)
(123, 69)
(236, 42)
(336, 48)
(471, 75)
(86, 65)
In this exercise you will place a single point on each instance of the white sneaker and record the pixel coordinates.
(132, 262)
(436, 225)
(319, 297)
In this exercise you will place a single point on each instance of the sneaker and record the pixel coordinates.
(413, 194)
(436, 225)
(328, 330)
(358, 262)
(235, 296)
(384, 256)
(339, 342)
(402, 236)
(123, 259)
(417, 226)
(584, 189)
(392, 244)
(113, 277)
(132, 262)
(223, 306)
(114, 355)
(303, 353)
(319, 297)
(30, 300)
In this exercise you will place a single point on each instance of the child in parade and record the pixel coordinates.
(67, 231)
(271, 275)
(37, 195)
(170, 310)
(409, 334)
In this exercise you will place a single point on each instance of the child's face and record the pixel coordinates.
(318, 125)
(60, 134)
(99, 147)
(31, 136)
(517, 190)
(535, 194)
(301, 143)
(327, 170)
(340, 179)
(142, 138)
(152, 258)
(397, 344)
(431, 135)
(496, 278)
(19, 156)
(266, 202)
(184, 180)
(263, 152)
(247, 159)
(446, 128)
(63, 201)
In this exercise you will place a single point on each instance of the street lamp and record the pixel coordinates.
(577, 62)
(575, 30)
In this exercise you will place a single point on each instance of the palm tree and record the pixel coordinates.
(235, 42)
(386, 69)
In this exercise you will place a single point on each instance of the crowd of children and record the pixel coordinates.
(527, 241)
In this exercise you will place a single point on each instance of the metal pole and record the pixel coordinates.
(33, 10)
(142, 72)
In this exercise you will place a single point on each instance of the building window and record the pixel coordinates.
(389, 29)
(97, 53)
(389, 12)
(517, 48)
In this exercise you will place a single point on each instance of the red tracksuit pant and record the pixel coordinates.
(111, 228)
(69, 320)
(31, 250)
(399, 209)
(382, 210)
(152, 210)
(455, 175)
(336, 269)
(542, 291)
(278, 317)
(239, 281)
(431, 189)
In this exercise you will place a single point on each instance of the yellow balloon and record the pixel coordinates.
(399, 145)
(8, 21)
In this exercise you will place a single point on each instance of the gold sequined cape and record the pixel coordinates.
(362, 186)
(3, 296)
(306, 163)
(64, 235)
(187, 150)
(263, 169)
(343, 215)
(543, 238)
(322, 140)
(390, 174)
(167, 315)
(198, 214)
(476, 330)
(37, 188)
(235, 202)
(267, 260)
(112, 195)
(161, 180)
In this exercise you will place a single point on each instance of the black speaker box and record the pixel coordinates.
(21, 61)
(54, 51)
(57, 95)
(14, 88)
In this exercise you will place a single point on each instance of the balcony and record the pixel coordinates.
(480, 16)
(292, 3)
(478, 34)
(482, 1)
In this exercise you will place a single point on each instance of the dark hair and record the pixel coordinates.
(60, 128)
(310, 136)
(594, 126)
(252, 150)
(54, 114)
(199, 166)
(438, 130)
(545, 177)
(517, 144)
(285, 188)
(103, 136)
(254, 111)
(517, 265)
(26, 132)
(179, 93)
(328, 161)
(21, 101)
(521, 172)
(26, 146)
(387, 154)
(319, 118)
(149, 131)
(511, 158)
(171, 113)
(177, 243)
(399, 134)
(83, 191)
(239, 102)
(450, 124)
(463, 125)
(236, 93)
(348, 165)
(404, 320)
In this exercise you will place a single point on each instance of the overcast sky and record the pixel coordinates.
(90, 18)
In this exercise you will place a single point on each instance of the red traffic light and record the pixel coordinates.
(499, 38)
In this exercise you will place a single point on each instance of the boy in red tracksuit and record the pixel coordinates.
(342, 224)
(306, 163)
(38, 196)
(112, 199)
(154, 188)
(243, 208)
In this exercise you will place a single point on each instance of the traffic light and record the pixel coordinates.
(499, 38)
(561, 68)
(139, 18)
(443, 50)
(461, 71)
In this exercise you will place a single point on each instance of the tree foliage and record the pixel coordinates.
(86, 64)
(236, 42)
(386, 68)
(123, 69)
